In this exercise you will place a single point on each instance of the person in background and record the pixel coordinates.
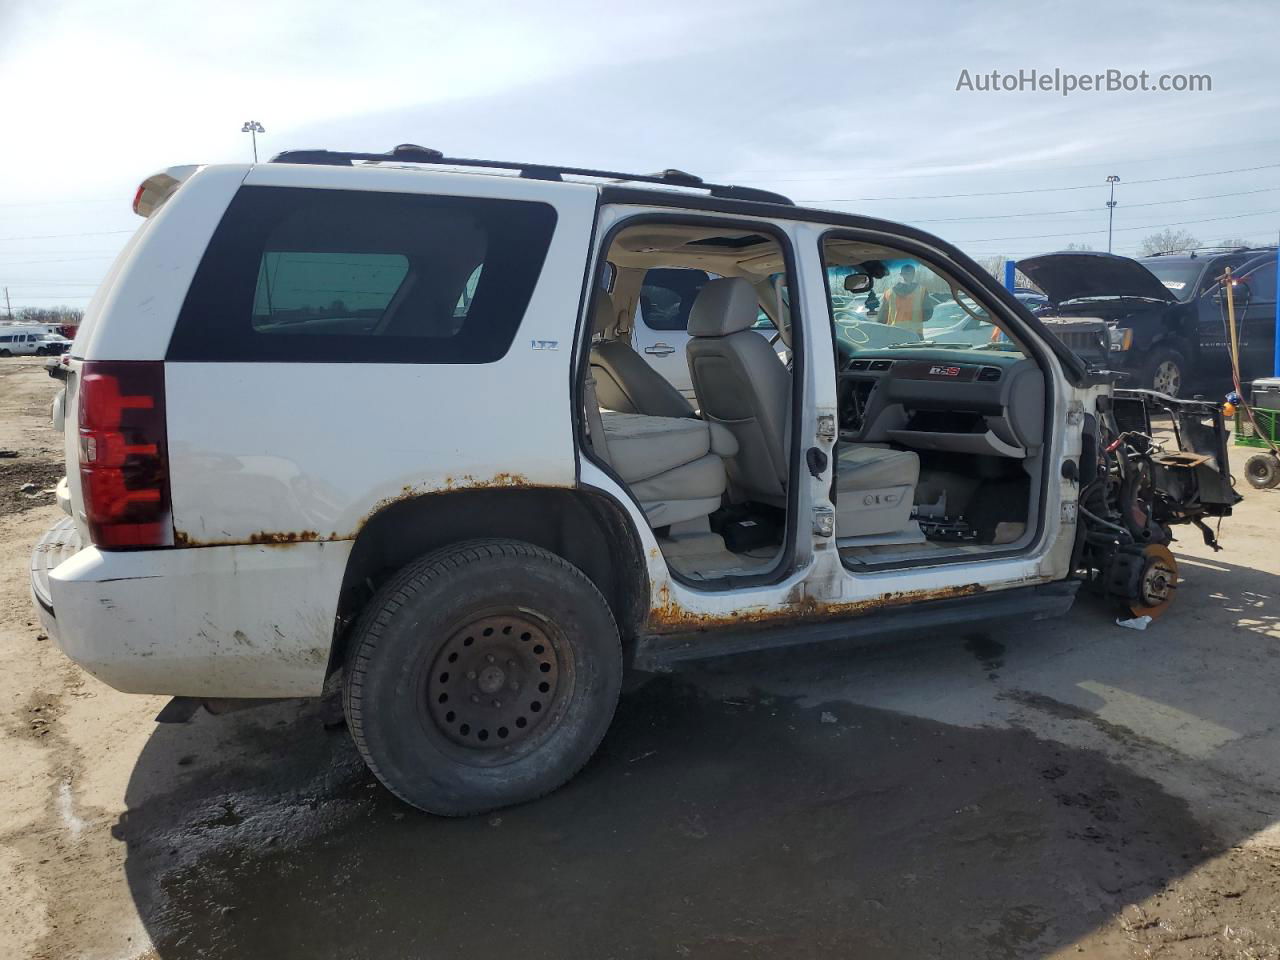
(906, 303)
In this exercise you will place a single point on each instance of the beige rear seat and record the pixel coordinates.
(673, 465)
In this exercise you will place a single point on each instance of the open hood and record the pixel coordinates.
(1068, 276)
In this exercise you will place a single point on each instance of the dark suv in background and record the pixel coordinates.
(1166, 314)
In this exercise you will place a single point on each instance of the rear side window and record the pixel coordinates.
(344, 276)
(667, 295)
(325, 293)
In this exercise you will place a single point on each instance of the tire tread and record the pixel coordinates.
(396, 592)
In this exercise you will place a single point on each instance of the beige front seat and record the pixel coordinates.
(741, 383)
(875, 490)
(624, 382)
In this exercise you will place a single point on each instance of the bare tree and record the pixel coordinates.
(69, 316)
(993, 266)
(1167, 241)
(1077, 246)
(1232, 242)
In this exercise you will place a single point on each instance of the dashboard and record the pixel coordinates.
(976, 401)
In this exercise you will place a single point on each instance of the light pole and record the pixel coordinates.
(1111, 207)
(253, 128)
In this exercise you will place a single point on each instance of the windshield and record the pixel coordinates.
(910, 305)
(1178, 276)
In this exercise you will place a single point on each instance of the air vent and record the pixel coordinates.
(989, 374)
(860, 364)
(881, 364)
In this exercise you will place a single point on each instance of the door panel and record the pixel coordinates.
(1258, 323)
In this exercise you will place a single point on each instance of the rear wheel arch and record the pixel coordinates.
(591, 532)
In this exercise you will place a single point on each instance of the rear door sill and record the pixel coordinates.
(664, 653)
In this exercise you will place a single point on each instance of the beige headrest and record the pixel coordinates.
(723, 307)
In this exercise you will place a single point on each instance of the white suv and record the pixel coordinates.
(367, 417)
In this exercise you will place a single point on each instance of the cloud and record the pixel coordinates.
(860, 97)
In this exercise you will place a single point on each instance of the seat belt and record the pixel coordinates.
(595, 423)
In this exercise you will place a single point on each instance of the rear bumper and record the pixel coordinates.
(235, 621)
(60, 542)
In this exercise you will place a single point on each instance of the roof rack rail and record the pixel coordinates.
(412, 153)
(1215, 249)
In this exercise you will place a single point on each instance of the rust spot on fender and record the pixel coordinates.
(452, 484)
(284, 538)
(668, 616)
(261, 538)
(504, 479)
(301, 536)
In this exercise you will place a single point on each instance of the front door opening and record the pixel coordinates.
(941, 409)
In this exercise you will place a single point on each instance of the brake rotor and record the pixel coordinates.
(1157, 584)
(494, 682)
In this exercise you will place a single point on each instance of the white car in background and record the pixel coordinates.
(18, 342)
(661, 323)
(52, 345)
(660, 331)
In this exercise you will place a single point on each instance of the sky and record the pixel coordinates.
(852, 106)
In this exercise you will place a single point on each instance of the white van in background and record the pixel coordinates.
(28, 340)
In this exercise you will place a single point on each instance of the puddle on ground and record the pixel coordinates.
(747, 827)
(988, 650)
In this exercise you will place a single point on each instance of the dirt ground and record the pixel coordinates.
(1058, 789)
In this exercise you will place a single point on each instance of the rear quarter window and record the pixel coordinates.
(667, 295)
(295, 274)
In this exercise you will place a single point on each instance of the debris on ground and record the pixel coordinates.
(1137, 623)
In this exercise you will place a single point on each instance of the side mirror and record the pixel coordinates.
(858, 283)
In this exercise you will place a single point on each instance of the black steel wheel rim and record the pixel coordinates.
(498, 685)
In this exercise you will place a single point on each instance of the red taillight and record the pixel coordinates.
(124, 461)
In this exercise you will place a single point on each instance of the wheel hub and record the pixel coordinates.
(491, 680)
(1168, 378)
(1157, 583)
(494, 682)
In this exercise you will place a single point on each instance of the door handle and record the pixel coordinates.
(660, 349)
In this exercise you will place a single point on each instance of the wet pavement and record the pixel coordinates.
(708, 825)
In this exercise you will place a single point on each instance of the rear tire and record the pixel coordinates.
(5, 353)
(1165, 372)
(481, 675)
(1262, 470)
